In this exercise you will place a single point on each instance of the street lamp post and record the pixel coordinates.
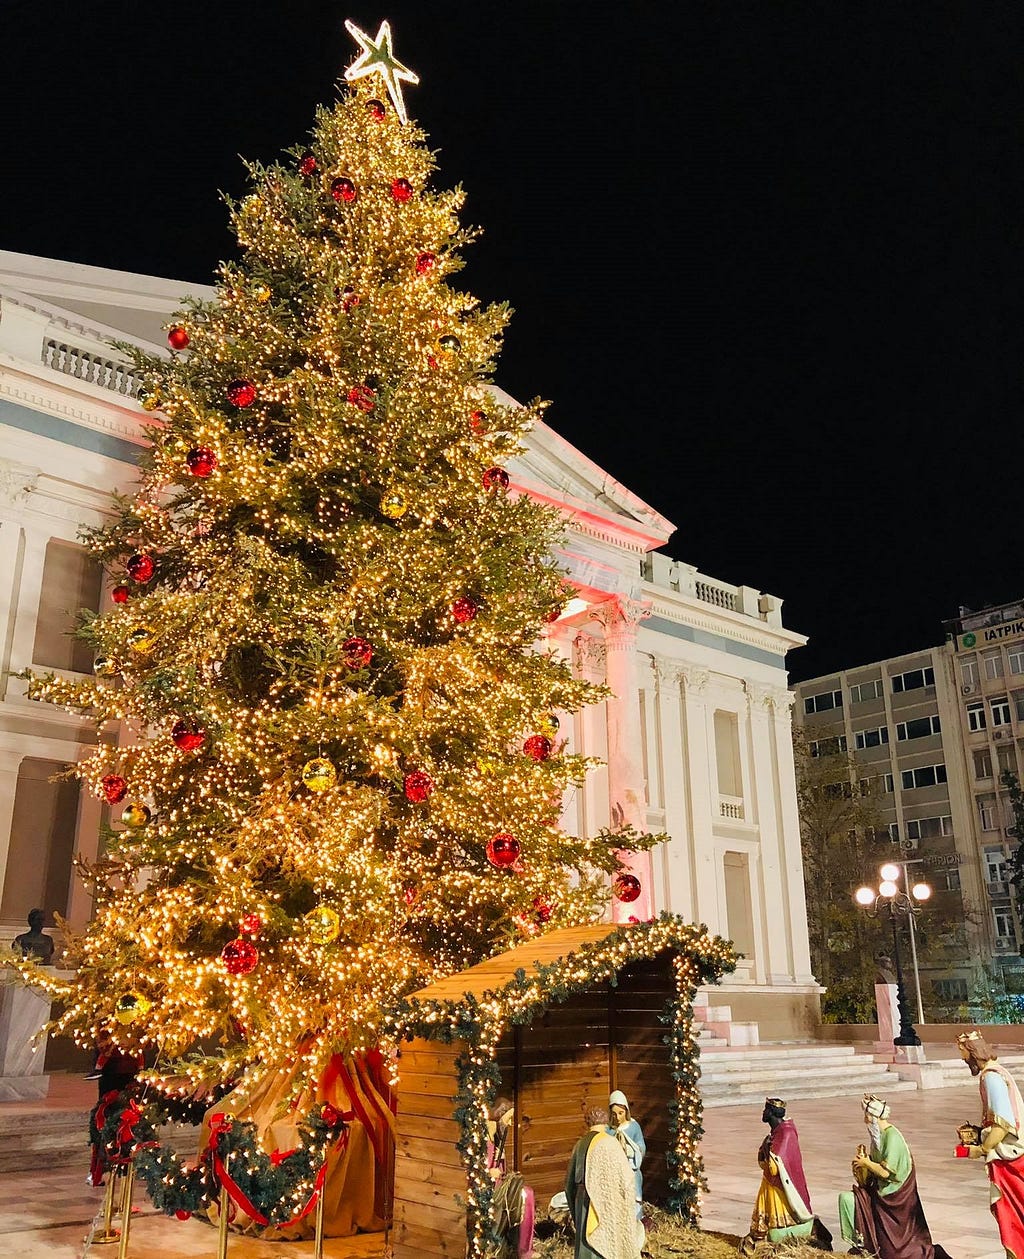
(888, 897)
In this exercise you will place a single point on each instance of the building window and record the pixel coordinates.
(950, 989)
(880, 782)
(925, 776)
(995, 866)
(871, 738)
(929, 827)
(894, 832)
(823, 701)
(969, 673)
(864, 691)
(1003, 921)
(1018, 703)
(993, 662)
(976, 716)
(988, 813)
(952, 880)
(917, 729)
(1015, 660)
(727, 754)
(1000, 707)
(831, 746)
(1006, 759)
(71, 580)
(913, 680)
(982, 763)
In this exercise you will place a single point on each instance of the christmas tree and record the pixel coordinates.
(343, 770)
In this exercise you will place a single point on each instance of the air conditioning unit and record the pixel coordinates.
(909, 843)
(999, 888)
(1011, 832)
(967, 689)
(1004, 946)
(998, 734)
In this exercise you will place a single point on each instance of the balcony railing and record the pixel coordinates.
(82, 365)
(661, 570)
(731, 807)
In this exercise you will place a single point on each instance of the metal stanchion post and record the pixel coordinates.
(318, 1236)
(222, 1224)
(126, 1207)
(109, 1234)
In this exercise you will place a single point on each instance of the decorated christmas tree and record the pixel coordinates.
(341, 770)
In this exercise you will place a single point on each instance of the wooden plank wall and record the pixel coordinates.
(640, 1061)
(428, 1222)
(562, 1065)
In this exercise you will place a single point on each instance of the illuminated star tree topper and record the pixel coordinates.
(377, 57)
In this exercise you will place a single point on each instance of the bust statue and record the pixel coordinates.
(35, 942)
(884, 973)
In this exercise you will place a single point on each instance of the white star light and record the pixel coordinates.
(377, 58)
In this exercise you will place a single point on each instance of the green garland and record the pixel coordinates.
(279, 1187)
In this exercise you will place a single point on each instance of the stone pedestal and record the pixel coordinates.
(888, 1018)
(23, 1011)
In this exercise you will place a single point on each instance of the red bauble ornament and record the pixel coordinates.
(503, 850)
(356, 653)
(120, 594)
(177, 338)
(201, 461)
(495, 479)
(114, 788)
(417, 786)
(251, 925)
(465, 609)
(241, 393)
(541, 909)
(329, 1115)
(240, 957)
(362, 398)
(411, 895)
(478, 421)
(538, 747)
(182, 1214)
(140, 567)
(307, 164)
(343, 189)
(626, 887)
(187, 737)
(349, 298)
(401, 190)
(376, 110)
(425, 262)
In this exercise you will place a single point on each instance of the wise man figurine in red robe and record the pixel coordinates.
(782, 1210)
(1000, 1141)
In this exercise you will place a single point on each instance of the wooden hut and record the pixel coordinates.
(554, 1024)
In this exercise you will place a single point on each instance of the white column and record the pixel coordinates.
(619, 617)
(789, 823)
(29, 594)
(9, 764)
(773, 892)
(702, 791)
(677, 855)
(591, 730)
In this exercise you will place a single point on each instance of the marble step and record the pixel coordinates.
(812, 1089)
(50, 1138)
(857, 1076)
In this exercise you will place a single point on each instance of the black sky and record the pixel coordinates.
(766, 258)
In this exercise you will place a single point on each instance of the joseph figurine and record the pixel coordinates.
(601, 1193)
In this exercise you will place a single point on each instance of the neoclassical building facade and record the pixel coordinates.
(695, 741)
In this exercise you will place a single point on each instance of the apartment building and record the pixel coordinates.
(898, 720)
(933, 732)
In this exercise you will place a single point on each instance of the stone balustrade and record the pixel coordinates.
(670, 574)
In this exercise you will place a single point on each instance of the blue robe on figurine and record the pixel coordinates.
(630, 1136)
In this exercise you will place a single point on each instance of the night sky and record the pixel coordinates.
(766, 258)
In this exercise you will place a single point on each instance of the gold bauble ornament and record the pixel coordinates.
(324, 924)
(149, 401)
(261, 293)
(319, 774)
(486, 765)
(131, 1006)
(135, 814)
(393, 505)
(104, 666)
(548, 724)
(142, 639)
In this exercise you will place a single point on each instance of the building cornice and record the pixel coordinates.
(683, 610)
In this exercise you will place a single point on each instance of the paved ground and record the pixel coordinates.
(954, 1191)
(48, 1214)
